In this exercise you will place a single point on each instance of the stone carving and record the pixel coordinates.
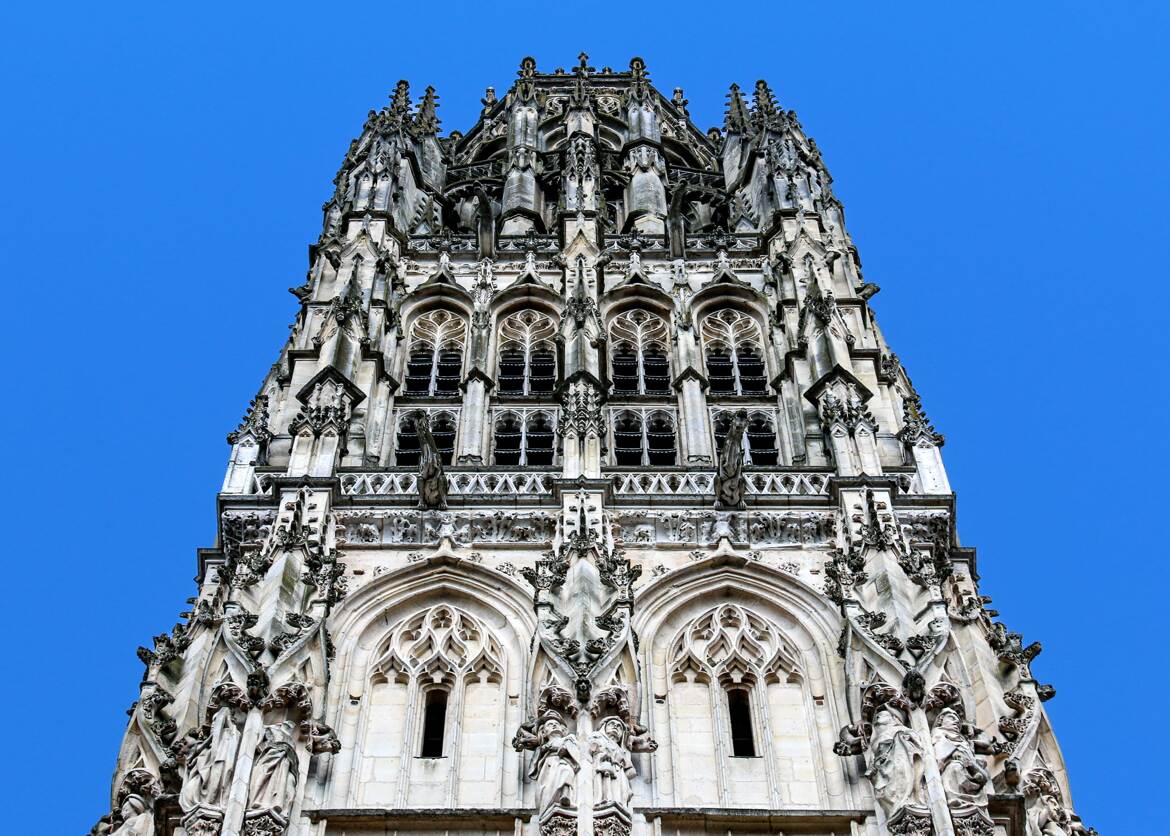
(896, 770)
(210, 760)
(275, 771)
(612, 765)
(965, 777)
(432, 484)
(555, 767)
(730, 488)
(1046, 812)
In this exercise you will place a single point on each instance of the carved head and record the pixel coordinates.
(615, 730)
(948, 720)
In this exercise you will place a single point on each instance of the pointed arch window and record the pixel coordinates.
(436, 693)
(527, 363)
(639, 363)
(444, 425)
(643, 437)
(524, 437)
(733, 346)
(435, 359)
(759, 447)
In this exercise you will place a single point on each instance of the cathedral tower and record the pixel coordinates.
(586, 497)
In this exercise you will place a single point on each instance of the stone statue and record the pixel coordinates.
(730, 486)
(275, 771)
(897, 769)
(613, 768)
(556, 765)
(137, 818)
(964, 776)
(432, 484)
(209, 764)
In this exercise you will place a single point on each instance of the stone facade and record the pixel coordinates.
(587, 497)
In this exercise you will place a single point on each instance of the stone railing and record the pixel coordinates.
(699, 483)
(459, 483)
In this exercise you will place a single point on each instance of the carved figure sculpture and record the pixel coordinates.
(897, 768)
(275, 771)
(730, 486)
(613, 768)
(137, 818)
(209, 764)
(432, 484)
(964, 776)
(555, 767)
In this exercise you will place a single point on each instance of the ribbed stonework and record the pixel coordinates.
(586, 497)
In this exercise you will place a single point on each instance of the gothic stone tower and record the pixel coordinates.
(586, 497)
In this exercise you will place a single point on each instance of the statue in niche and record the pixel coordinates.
(137, 817)
(432, 484)
(209, 764)
(276, 770)
(555, 767)
(964, 776)
(730, 486)
(613, 768)
(897, 771)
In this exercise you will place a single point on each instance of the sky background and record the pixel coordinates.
(1004, 173)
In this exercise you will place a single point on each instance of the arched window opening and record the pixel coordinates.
(527, 362)
(761, 438)
(434, 724)
(524, 439)
(739, 712)
(406, 448)
(435, 361)
(733, 347)
(759, 447)
(660, 439)
(639, 363)
(538, 437)
(627, 439)
(643, 438)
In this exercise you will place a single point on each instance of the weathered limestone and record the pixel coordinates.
(587, 498)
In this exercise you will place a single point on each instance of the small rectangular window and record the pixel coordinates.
(739, 709)
(434, 722)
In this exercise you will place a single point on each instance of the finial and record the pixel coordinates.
(527, 67)
(400, 98)
(583, 67)
(637, 67)
(678, 101)
(738, 120)
(427, 120)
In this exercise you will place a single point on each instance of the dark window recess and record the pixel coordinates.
(507, 440)
(761, 441)
(406, 450)
(447, 380)
(625, 370)
(627, 440)
(418, 372)
(739, 709)
(660, 441)
(434, 722)
(539, 435)
(542, 374)
(657, 375)
(719, 373)
(443, 431)
(751, 371)
(511, 371)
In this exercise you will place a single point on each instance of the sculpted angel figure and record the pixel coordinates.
(964, 776)
(209, 764)
(897, 772)
(276, 770)
(613, 768)
(432, 484)
(555, 767)
(137, 818)
(730, 487)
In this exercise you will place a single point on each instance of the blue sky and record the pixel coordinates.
(1004, 172)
